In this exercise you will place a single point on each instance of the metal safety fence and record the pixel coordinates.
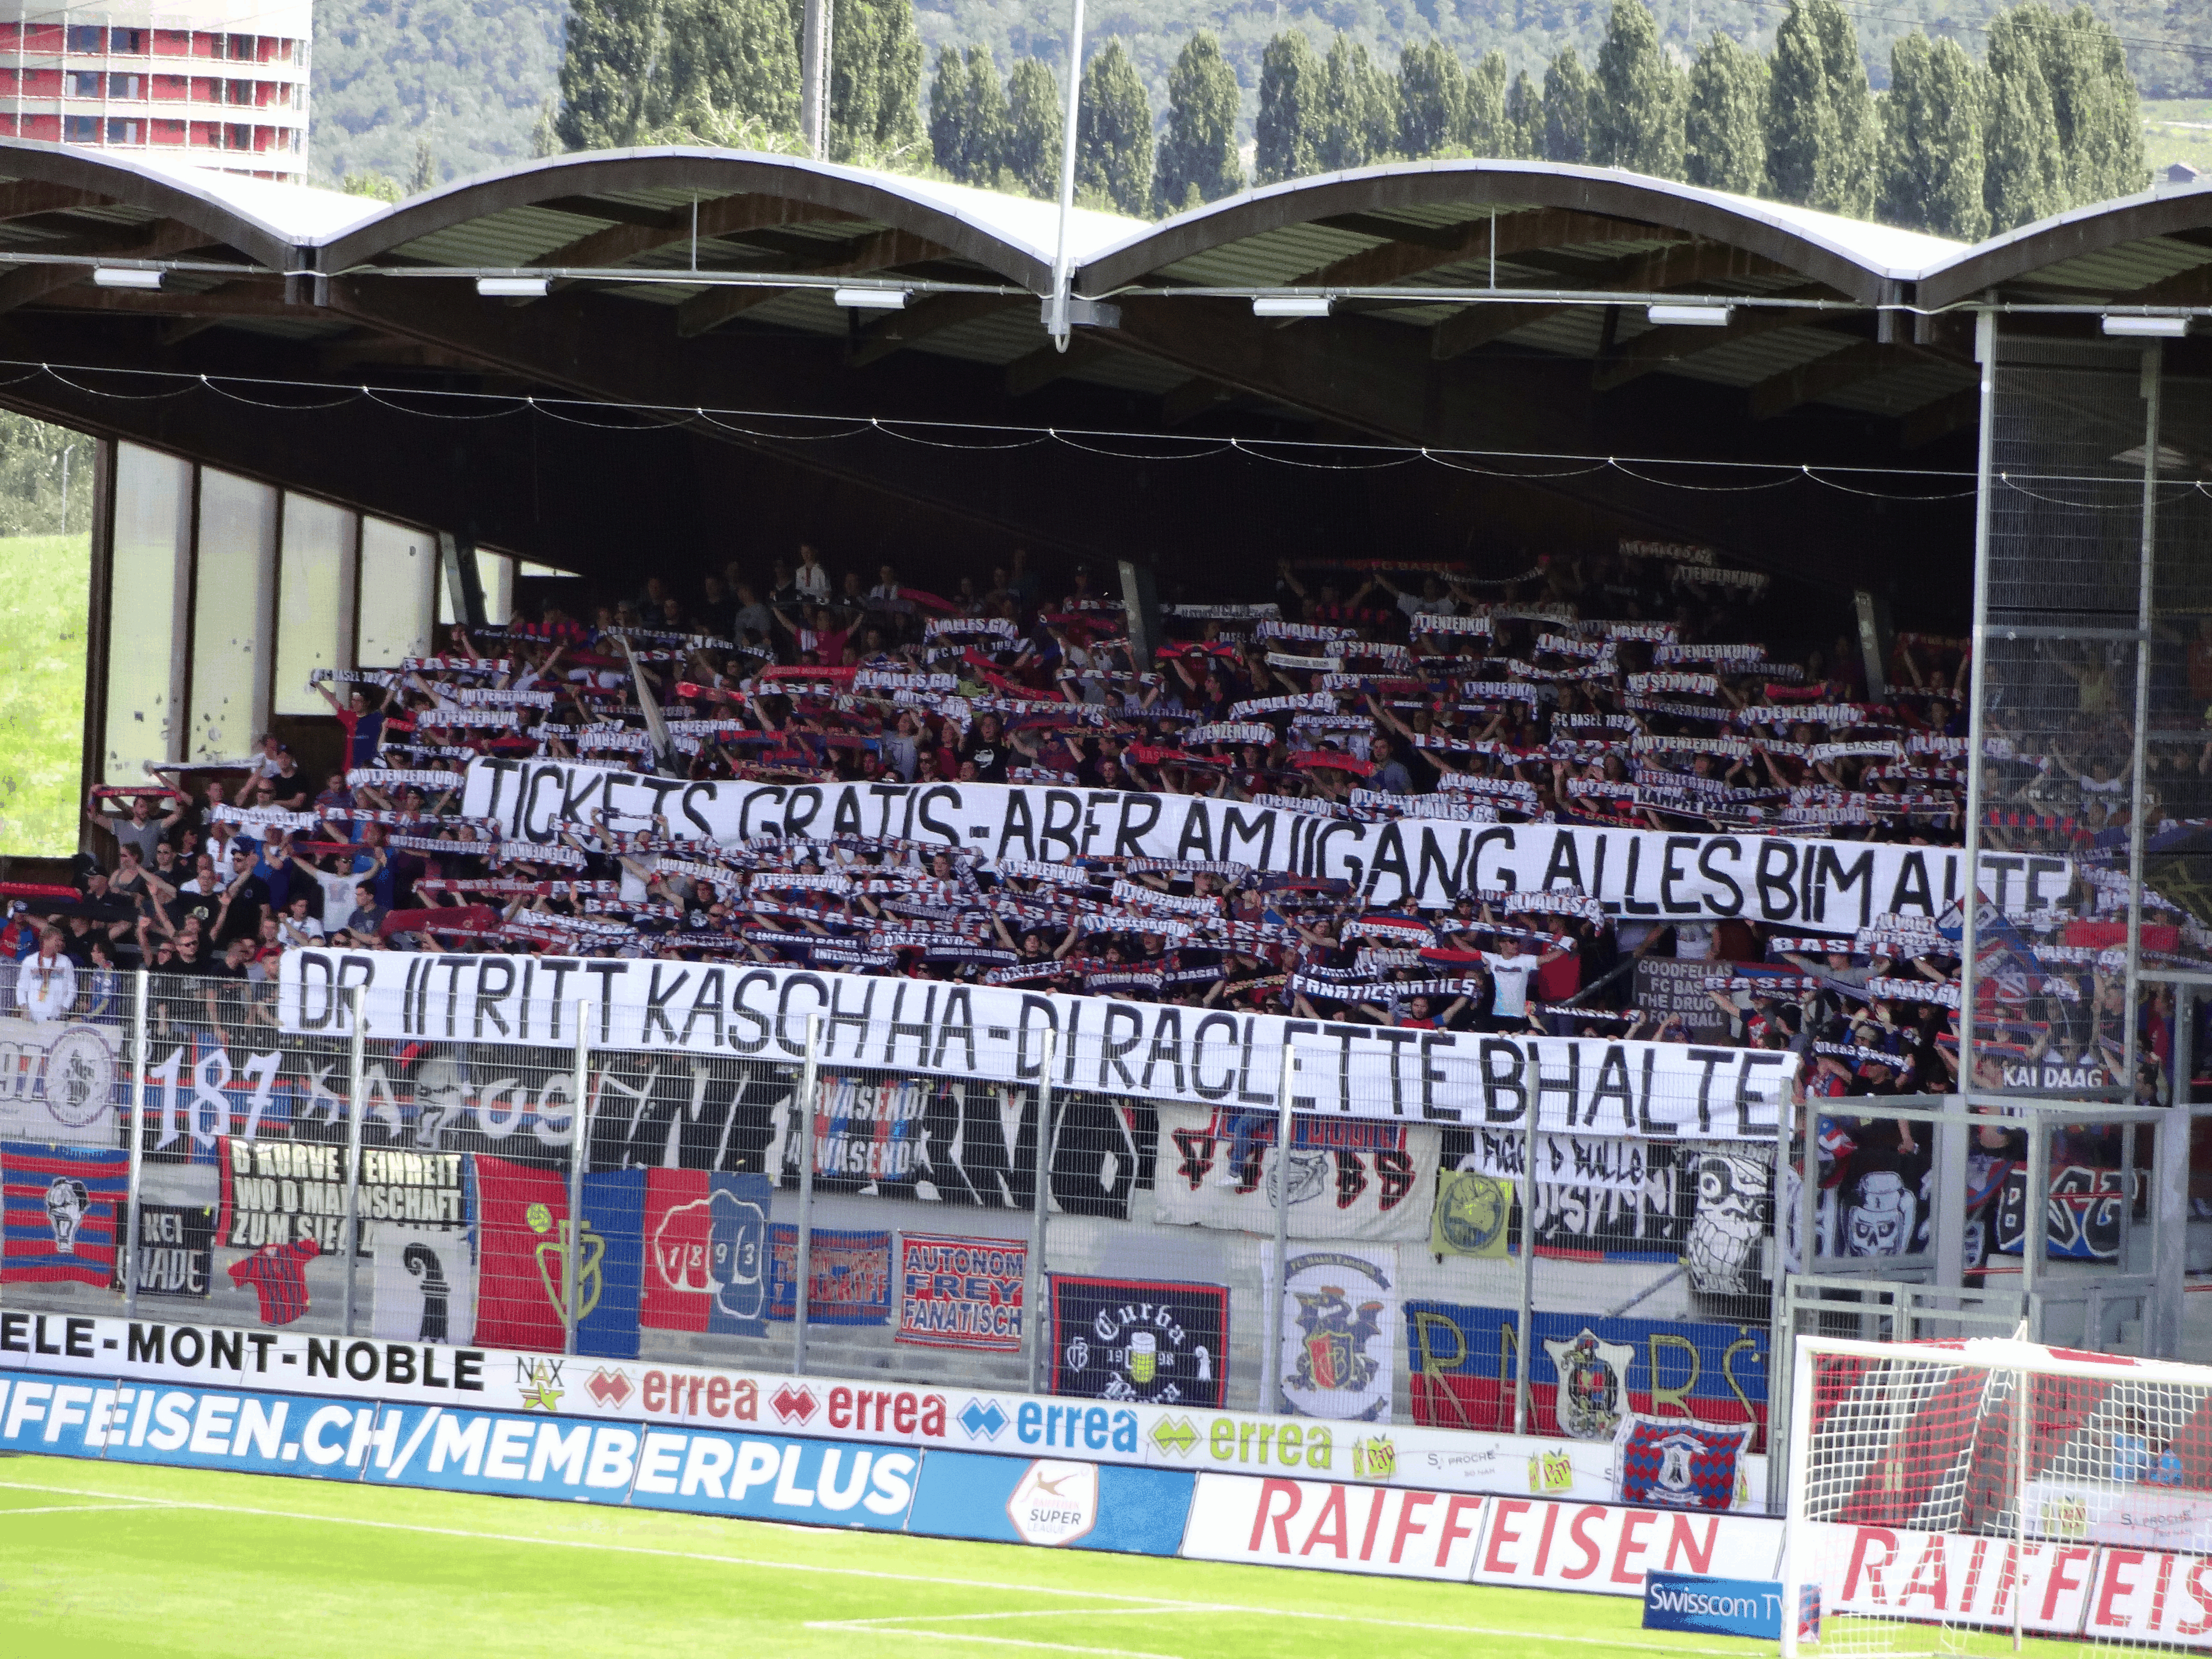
(1030, 1235)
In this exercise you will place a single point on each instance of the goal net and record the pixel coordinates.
(1963, 1497)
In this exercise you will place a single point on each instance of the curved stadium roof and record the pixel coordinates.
(304, 284)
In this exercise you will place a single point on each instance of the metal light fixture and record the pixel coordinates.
(125, 276)
(1290, 305)
(513, 288)
(2146, 328)
(869, 298)
(1689, 316)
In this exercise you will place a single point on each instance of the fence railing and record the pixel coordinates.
(1012, 1233)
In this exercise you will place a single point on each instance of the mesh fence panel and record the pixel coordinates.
(1144, 1267)
(1944, 1503)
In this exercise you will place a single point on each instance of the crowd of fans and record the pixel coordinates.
(1606, 689)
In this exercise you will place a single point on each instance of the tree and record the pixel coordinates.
(1198, 159)
(1858, 126)
(2093, 102)
(1484, 130)
(2026, 177)
(1933, 160)
(1360, 125)
(1431, 98)
(1635, 103)
(875, 78)
(545, 135)
(1031, 154)
(736, 58)
(1114, 133)
(1287, 132)
(1823, 140)
(608, 66)
(374, 185)
(968, 115)
(1566, 109)
(425, 175)
(1524, 113)
(1724, 128)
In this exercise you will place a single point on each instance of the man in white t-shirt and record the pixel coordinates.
(296, 926)
(45, 983)
(1509, 975)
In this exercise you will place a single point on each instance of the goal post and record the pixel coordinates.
(1961, 1496)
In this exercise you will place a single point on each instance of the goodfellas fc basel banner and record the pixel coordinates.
(1425, 862)
(996, 1034)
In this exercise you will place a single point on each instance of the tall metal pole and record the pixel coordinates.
(814, 79)
(1779, 1333)
(2019, 1496)
(1985, 354)
(802, 1124)
(1058, 323)
(1271, 1367)
(1524, 1331)
(356, 1068)
(138, 1058)
(2154, 380)
(572, 1251)
(1034, 1312)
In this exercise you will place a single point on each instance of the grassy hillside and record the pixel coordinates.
(470, 76)
(42, 716)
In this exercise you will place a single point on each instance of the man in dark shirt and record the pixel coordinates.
(244, 896)
(987, 747)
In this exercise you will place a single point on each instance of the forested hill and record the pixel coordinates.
(469, 77)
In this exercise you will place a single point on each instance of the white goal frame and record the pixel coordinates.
(2011, 1354)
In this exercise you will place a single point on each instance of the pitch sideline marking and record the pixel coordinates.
(872, 1627)
(891, 1625)
(87, 1508)
(1145, 1603)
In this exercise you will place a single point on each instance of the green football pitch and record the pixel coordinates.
(98, 1560)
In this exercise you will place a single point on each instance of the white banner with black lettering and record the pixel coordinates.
(1425, 862)
(1586, 1085)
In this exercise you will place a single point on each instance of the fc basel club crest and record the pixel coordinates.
(1336, 1336)
(1593, 1384)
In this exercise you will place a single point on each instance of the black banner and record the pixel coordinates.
(1155, 1343)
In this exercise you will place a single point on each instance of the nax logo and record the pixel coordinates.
(1174, 1436)
(609, 1388)
(982, 1420)
(793, 1405)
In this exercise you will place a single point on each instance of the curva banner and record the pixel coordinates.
(1391, 1530)
(1428, 863)
(995, 1034)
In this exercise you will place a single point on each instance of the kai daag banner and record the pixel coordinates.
(886, 1133)
(1357, 1178)
(176, 1250)
(1425, 862)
